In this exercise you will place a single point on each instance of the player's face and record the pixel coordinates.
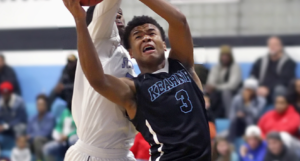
(147, 45)
(120, 21)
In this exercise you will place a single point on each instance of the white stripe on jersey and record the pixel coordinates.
(155, 140)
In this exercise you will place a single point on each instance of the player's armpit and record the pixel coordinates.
(118, 90)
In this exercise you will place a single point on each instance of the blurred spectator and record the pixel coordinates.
(274, 71)
(209, 112)
(21, 152)
(223, 151)
(64, 88)
(8, 74)
(224, 78)
(214, 108)
(211, 119)
(40, 127)
(4, 159)
(245, 109)
(277, 151)
(283, 118)
(294, 94)
(212, 132)
(13, 117)
(64, 136)
(255, 148)
(291, 142)
(202, 72)
(140, 148)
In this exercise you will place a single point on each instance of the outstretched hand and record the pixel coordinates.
(75, 8)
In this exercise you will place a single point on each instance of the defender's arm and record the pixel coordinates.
(102, 25)
(119, 91)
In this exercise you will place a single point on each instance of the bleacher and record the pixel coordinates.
(33, 79)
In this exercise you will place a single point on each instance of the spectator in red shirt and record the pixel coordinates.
(283, 118)
(140, 148)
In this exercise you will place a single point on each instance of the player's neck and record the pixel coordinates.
(151, 68)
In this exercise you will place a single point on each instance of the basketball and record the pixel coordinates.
(89, 2)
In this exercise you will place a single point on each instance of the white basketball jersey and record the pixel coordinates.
(100, 122)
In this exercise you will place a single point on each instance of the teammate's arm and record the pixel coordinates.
(119, 91)
(179, 34)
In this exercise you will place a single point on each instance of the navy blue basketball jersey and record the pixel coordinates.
(171, 115)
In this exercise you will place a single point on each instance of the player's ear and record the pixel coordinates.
(165, 46)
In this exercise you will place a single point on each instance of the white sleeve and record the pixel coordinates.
(13, 155)
(28, 156)
(103, 23)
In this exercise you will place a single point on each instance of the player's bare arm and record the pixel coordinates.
(119, 91)
(179, 34)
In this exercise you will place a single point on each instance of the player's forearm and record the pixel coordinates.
(88, 56)
(167, 11)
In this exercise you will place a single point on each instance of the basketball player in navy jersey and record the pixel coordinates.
(164, 102)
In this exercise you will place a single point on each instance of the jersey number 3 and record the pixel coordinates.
(183, 96)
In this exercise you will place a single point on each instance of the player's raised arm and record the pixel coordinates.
(117, 90)
(179, 32)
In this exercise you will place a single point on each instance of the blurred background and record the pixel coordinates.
(247, 54)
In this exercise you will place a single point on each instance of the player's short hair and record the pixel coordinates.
(138, 21)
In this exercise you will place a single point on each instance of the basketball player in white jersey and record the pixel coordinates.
(104, 131)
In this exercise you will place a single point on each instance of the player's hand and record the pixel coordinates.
(75, 8)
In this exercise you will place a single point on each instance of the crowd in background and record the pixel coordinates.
(264, 111)
(44, 136)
